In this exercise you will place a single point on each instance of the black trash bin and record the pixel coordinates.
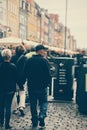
(81, 92)
(63, 84)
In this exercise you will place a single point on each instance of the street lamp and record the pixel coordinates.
(65, 26)
(9, 31)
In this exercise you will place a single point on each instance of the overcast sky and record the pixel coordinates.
(76, 16)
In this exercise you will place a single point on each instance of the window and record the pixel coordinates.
(1, 34)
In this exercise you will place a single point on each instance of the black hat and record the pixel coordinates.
(40, 47)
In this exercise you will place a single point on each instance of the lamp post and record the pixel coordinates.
(65, 26)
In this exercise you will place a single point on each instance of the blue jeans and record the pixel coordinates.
(5, 107)
(38, 100)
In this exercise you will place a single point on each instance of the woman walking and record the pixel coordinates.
(8, 80)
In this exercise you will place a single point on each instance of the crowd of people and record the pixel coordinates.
(29, 70)
(19, 68)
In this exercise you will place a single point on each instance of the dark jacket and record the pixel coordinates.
(8, 77)
(19, 61)
(15, 58)
(36, 70)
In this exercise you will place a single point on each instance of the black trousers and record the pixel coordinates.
(5, 107)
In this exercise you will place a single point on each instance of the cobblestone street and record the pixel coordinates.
(60, 116)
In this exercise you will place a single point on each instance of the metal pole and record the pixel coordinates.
(65, 27)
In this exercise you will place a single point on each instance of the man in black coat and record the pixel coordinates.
(36, 71)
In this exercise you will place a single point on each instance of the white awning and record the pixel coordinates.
(10, 40)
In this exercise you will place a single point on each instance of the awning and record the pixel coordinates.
(10, 40)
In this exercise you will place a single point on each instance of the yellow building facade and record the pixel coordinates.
(13, 17)
(32, 22)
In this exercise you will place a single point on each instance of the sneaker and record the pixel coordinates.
(41, 123)
(22, 112)
(15, 112)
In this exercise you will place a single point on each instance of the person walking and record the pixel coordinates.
(37, 73)
(19, 60)
(8, 80)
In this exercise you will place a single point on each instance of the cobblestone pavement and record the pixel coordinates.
(60, 116)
